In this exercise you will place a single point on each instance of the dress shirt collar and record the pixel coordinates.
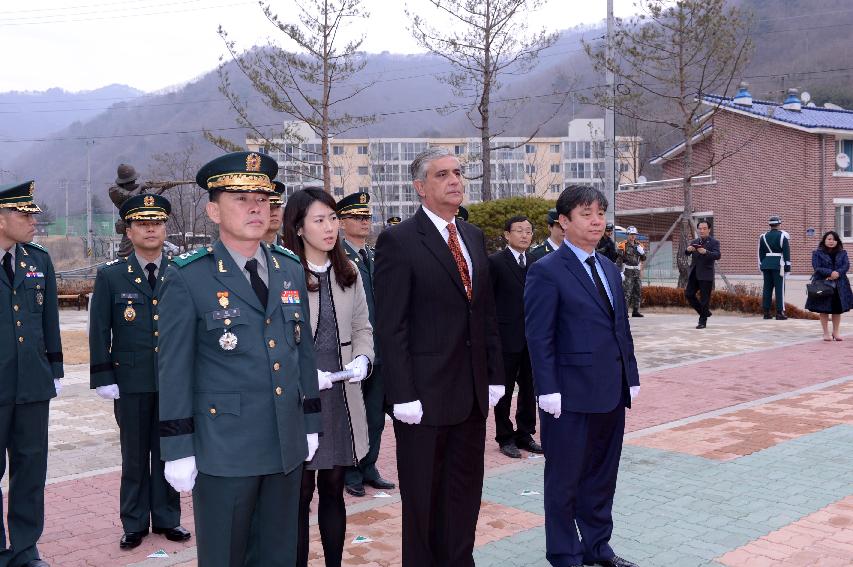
(554, 245)
(439, 222)
(143, 262)
(353, 246)
(579, 252)
(11, 251)
(515, 253)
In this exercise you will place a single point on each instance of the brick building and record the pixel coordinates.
(753, 159)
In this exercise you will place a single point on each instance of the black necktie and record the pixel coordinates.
(152, 279)
(363, 254)
(599, 284)
(7, 267)
(258, 284)
(521, 260)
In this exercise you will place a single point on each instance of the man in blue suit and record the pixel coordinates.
(585, 374)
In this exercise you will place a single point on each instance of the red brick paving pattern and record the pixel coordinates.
(824, 538)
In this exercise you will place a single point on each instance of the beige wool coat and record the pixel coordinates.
(356, 338)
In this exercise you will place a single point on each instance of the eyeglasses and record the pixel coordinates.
(522, 231)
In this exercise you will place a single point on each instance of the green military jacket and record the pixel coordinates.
(30, 345)
(629, 255)
(367, 283)
(238, 380)
(123, 327)
(537, 252)
(774, 250)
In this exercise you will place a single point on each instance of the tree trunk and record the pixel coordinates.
(324, 124)
(686, 232)
(485, 135)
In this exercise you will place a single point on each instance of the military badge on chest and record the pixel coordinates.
(228, 340)
(129, 313)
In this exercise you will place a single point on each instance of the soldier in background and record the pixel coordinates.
(631, 256)
(606, 246)
(554, 240)
(774, 256)
(392, 221)
(273, 235)
(30, 366)
(123, 332)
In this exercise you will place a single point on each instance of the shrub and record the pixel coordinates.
(748, 303)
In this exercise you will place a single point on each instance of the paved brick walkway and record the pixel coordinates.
(738, 455)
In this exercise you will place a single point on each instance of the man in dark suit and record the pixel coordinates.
(585, 373)
(509, 270)
(705, 250)
(123, 336)
(435, 319)
(356, 223)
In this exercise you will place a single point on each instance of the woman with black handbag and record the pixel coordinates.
(829, 292)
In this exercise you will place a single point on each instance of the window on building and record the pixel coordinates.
(529, 169)
(845, 147)
(337, 170)
(555, 188)
(337, 150)
(555, 168)
(530, 189)
(362, 150)
(844, 221)
(363, 189)
(339, 191)
(555, 148)
(529, 149)
(362, 170)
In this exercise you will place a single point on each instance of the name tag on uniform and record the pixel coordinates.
(290, 296)
(226, 313)
(130, 296)
(35, 274)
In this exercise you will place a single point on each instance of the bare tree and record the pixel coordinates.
(666, 58)
(306, 84)
(188, 220)
(485, 40)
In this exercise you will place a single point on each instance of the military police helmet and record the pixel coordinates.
(775, 220)
(239, 172)
(276, 198)
(631, 230)
(146, 208)
(125, 174)
(608, 226)
(462, 213)
(552, 216)
(354, 205)
(19, 197)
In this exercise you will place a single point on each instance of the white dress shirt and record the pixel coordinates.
(582, 256)
(441, 226)
(516, 254)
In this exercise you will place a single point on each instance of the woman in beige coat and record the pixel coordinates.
(343, 340)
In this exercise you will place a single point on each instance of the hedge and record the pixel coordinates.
(740, 302)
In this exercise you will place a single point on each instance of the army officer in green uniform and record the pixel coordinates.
(30, 369)
(239, 408)
(356, 222)
(123, 330)
(554, 240)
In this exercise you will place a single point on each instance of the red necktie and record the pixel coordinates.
(461, 264)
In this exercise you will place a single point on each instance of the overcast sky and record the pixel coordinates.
(153, 44)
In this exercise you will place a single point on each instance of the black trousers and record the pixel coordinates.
(23, 437)
(144, 491)
(373, 391)
(582, 452)
(247, 521)
(704, 289)
(441, 483)
(516, 371)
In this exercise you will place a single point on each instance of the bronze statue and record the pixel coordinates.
(125, 188)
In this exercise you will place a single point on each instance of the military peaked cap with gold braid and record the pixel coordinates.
(19, 196)
(462, 213)
(354, 205)
(239, 172)
(146, 208)
(276, 198)
(393, 220)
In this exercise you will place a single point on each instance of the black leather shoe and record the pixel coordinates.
(511, 451)
(767, 315)
(781, 316)
(36, 563)
(702, 323)
(380, 484)
(637, 314)
(132, 539)
(530, 445)
(615, 561)
(173, 534)
(355, 489)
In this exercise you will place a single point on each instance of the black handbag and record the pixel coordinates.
(819, 289)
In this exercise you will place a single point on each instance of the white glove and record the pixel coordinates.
(359, 367)
(552, 403)
(640, 249)
(313, 443)
(410, 412)
(635, 391)
(323, 382)
(181, 473)
(495, 395)
(57, 385)
(622, 274)
(109, 392)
